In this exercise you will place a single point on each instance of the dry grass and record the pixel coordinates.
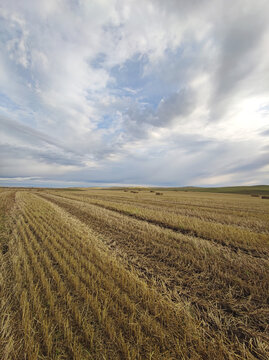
(106, 275)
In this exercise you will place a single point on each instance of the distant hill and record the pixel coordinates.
(251, 190)
(256, 189)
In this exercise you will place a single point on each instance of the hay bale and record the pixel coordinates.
(159, 193)
(255, 195)
(265, 197)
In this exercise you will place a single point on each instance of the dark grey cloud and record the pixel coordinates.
(22, 131)
(168, 170)
(251, 165)
(39, 145)
(178, 105)
(265, 133)
(47, 155)
(175, 108)
(238, 44)
(239, 35)
(26, 151)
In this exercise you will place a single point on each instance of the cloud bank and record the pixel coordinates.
(134, 92)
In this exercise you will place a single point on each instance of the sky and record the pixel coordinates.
(134, 92)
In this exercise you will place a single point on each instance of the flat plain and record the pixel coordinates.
(133, 274)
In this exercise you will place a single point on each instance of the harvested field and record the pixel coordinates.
(100, 274)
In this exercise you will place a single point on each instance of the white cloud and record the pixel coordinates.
(189, 93)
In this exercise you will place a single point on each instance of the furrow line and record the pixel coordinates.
(95, 300)
(55, 311)
(149, 324)
(187, 232)
(229, 310)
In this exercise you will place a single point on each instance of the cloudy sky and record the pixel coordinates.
(142, 92)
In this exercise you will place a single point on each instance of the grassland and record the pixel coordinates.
(115, 274)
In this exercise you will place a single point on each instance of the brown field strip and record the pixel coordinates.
(86, 277)
(189, 267)
(220, 208)
(235, 237)
(239, 210)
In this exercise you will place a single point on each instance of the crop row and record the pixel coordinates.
(132, 327)
(250, 215)
(234, 236)
(81, 280)
(207, 274)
